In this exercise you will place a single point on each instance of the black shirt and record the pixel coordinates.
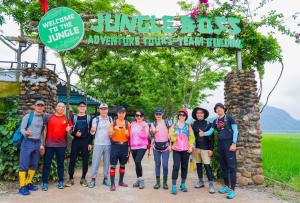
(223, 126)
(82, 126)
(206, 142)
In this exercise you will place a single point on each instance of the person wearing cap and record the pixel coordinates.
(227, 130)
(102, 145)
(81, 143)
(31, 146)
(183, 140)
(119, 132)
(161, 148)
(203, 147)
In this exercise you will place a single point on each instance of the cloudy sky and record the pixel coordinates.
(287, 93)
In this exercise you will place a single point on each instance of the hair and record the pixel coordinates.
(140, 111)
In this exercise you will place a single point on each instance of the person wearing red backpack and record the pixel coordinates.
(32, 131)
(138, 145)
(56, 128)
(162, 147)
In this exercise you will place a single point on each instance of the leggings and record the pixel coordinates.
(137, 155)
(158, 155)
(180, 159)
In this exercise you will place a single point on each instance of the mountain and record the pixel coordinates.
(277, 120)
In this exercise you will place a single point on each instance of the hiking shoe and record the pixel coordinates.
(106, 182)
(136, 184)
(61, 185)
(113, 187)
(32, 187)
(70, 183)
(183, 187)
(174, 190)
(231, 194)
(211, 188)
(165, 184)
(123, 185)
(44, 186)
(157, 184)
(199, 184)
(83, 182)
(141, 183)
(24, 191)
(92, 184)
(224, 190)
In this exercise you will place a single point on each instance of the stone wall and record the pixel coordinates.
(37, 84)
(242, 102)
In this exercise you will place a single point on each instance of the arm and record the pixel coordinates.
(44, 134)
(235, 133)
(172, 134)
(209, 132)
(24, 124)
(145, 131)
(191, 137)
(90, 136)
(111, 130)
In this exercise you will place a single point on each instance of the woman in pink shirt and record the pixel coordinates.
(161, 147)
(138, 144)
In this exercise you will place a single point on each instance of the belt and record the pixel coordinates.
(119, 142)
(33, 140)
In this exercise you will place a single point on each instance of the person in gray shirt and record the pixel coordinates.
(100, 130)
(31, 146)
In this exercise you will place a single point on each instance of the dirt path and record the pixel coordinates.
(102, 194)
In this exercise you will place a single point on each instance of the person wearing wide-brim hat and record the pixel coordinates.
(203, 148)
(227, 130)
(183, 139)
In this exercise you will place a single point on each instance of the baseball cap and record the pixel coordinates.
(39, 102)
(103, 105)
(121, 109)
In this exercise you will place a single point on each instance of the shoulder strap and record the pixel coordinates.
(126, 124)
(155, 123)
(88, 120)
(74, 121)
(110, 119)
(115, 123)
(167, 123)
(30, 118)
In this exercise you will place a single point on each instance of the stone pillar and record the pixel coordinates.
(242, 102)
(37, 84)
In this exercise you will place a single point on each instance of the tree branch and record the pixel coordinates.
(11, 47)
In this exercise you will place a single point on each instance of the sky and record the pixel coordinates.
(286, 95)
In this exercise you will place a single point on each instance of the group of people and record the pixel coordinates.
(114, 140)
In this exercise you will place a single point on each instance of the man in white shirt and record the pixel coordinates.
(100, 130)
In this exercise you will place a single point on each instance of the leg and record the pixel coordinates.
(106, 156)
(113, 165)
(206, 161)
(231, 163)
(138, 162)
(60, 158)
(73, 157)
(134, 154)
(85, 157)
(25, 158)
(157, 160)
(34, 163)
(223, 163)
(96, 160)
(165, 161)
(49, 152)
(185, 157)
(176, 165)
(123, 158)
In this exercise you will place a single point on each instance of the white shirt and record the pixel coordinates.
(102, 131)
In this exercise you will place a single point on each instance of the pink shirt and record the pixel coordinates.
(139, 135)
(163, 133)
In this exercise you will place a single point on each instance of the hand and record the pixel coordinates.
(190, 150)
(210, 153)
(42, 150)
(28, 132)
(170, 148)
(232, 147)
(68, 129)
(116, 128)
(201, 133)
(126, 133)
(78, 133)
(90, 147)
(93, 131)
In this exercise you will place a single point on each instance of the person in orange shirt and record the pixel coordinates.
(119, 134)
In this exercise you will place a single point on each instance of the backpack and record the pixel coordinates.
(17, 137)
(88, 120)
(98, 120)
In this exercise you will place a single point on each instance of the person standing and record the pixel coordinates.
(32, 130)
(227, 130)
(204, 147)
(183, 140)
(119, 132)
(81, 143)
(102, 145)
(56, 128)
(161, 148)
(138, 144)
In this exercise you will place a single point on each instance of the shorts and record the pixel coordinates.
(119, 153)
(201, 156)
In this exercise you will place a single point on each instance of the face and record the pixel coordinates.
(60, 108)
(158, 116)
(39, 108)
(121, 115)
(139, 116)
(103, 111)
(81, 108)
(181, 116)
(200, 115)
(220, 111)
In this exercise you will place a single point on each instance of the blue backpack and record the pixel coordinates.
(17, 136)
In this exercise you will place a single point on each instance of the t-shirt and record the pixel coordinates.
(163, 132)
(56, 131)
(36, 127)
(119, 136)
(225, 132)
(102, 131)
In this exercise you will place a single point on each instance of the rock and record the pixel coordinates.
(247, 174)
(258, 179)
(242, 181)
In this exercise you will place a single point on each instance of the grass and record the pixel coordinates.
(281, 158)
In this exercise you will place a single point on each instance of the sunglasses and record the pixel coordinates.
(182, 114)
(138, 115)
(158, 114)
(40, 105)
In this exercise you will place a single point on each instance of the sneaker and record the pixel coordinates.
(174, 190)
(44, 186)
(83, 182)
(141, 183)
(32, 187)
(123, 185)
(24, 191)
(211, 188)
(106, 182)
(183, 187)
(231, 194)
(136, 184)
(113, 187)
(92, 184)
(61, 185)
(199, 184)
(70, 183)
(224, 190)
